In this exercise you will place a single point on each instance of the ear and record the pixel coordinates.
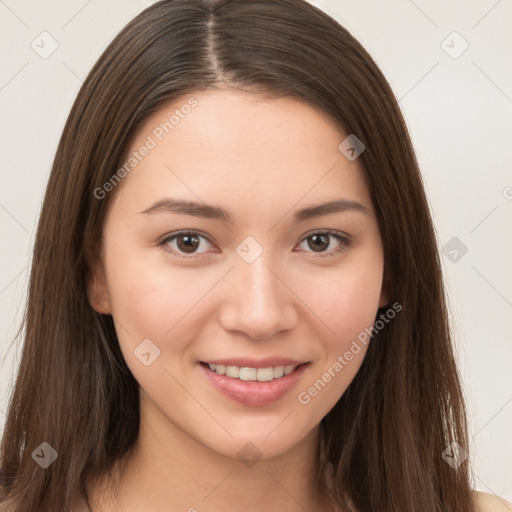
(97, 291)
(384, 299)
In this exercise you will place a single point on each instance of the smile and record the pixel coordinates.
(252, 374)
(253, 386)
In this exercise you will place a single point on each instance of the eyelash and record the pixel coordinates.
(345, 242)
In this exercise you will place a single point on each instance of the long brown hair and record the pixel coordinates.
(386, 435)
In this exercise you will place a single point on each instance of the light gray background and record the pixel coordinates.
(458, 111)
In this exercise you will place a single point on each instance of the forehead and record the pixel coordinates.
(240, 148)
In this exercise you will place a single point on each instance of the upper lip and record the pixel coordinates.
(249, 362)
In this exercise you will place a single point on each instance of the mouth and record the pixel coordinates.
(253, 374)
(254, 385)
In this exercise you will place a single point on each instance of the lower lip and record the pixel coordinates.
(254, 392)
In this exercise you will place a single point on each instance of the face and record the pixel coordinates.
(254, 276)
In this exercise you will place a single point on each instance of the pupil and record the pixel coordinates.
(193, 245)
(323, 239)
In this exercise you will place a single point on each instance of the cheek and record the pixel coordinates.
(156, 307)
(148, 300)
(345, 300)
(150, 304)
(347, 306)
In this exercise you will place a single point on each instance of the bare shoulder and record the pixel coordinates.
(486, 502)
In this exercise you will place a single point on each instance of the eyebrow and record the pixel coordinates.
(208, 211)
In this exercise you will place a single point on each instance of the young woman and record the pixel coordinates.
(236, 300)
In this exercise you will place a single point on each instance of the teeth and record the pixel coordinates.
(233, 371)
(278, 372)
(288, 369)
(249, 373)
(252, 374)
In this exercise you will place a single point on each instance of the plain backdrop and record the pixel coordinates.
(449, 65)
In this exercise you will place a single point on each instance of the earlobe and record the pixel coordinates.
(384, 300)
(384, 293)
(97, 293)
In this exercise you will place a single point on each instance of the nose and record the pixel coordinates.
(257, 299)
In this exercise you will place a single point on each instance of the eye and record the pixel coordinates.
(184, 244)
(321, 240)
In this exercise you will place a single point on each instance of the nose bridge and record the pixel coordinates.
(257, 301)
(260, 283)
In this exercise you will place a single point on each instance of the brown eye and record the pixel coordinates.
(318, 242)
(321, 243)
(185, 243)
(188, 243)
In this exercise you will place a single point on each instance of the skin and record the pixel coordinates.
(262, 160)
(486, 502)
